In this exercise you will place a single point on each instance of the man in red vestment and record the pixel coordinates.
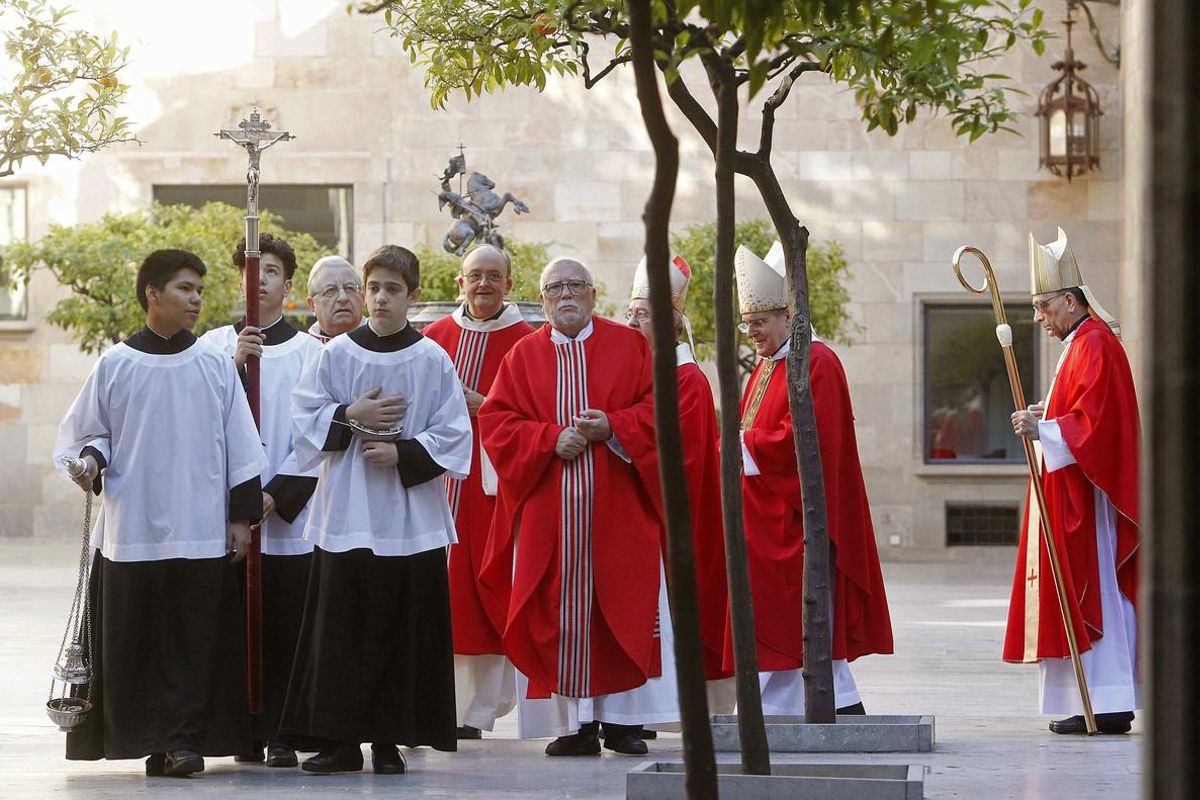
(774, 514)
(574, 560)
(1087, 435)
(477, 336)
(702, 463)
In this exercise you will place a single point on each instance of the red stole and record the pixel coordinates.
(774, 521)
(1094, 403)
(476, 356)
(702, 464)
(578, 611)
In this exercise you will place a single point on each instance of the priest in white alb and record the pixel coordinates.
(1086, 434)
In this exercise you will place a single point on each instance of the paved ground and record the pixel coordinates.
(948, 622)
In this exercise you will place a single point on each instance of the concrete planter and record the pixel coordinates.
(873, 733)
(659, 780)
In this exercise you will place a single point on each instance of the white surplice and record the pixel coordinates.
(177, 435)
(280, 371)
(356, 504)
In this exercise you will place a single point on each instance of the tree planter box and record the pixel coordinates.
(659, 780)
(873, 733)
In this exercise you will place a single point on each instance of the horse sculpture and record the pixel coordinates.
(474, 212)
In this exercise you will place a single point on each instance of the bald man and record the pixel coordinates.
(477, 336)
(335, 297)
(573, 571)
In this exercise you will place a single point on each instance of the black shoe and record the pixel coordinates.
(155, 765)
(386, 759)
(469, 732)
(577, 744)
(855, 710)
(280, 755)
(181, 763)
(255, 756)
(629, 744)
(342, 758)
(1114, 723)
(645, 734)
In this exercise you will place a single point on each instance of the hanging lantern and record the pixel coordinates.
(1069, 117)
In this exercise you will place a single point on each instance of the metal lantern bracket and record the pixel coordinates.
(1069, 113)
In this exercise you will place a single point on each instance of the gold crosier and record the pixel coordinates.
(1004, 335)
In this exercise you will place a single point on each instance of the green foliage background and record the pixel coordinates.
(439, 270)
(98, 262)
(827, 272)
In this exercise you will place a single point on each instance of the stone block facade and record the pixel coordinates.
(899, 206)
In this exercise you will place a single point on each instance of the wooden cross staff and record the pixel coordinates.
(255, 135)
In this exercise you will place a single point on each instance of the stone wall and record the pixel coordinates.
(899, 206)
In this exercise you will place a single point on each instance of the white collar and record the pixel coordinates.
(683, 354)
(510, 316)
(562, 338)
(782, 352)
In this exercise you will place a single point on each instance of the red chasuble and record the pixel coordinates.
(702, 464)
(774, 519)
(578, 611)
(476, 348)
(1092, 399)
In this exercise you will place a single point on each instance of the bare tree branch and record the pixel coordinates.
(589, 81)
(777, 98)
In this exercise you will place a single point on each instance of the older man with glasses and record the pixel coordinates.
(1087, 435)
(773, 509)
(574, 565)
(477, 336)
(335, 297)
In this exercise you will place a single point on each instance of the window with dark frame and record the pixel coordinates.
(324, 211)
(12, 228)
(967, 399)
(982, 524)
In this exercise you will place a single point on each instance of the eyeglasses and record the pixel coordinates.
(474, 278)
(1041, 305)
(753, 325)
(556, 289)
(332, 292)
(641, 315)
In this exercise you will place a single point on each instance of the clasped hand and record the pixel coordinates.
(590, 426)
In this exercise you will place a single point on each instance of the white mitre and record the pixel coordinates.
(681, 276)
(760, 286)
(1052, 268)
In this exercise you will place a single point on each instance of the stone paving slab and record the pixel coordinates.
(949, 625)
(870, 733)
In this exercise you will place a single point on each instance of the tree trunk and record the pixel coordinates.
(698, 755)
(756, 755)
(819, 698)
(1169, 609)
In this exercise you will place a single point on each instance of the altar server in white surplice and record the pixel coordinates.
(165, 430)
(375, 660)
(286, 556)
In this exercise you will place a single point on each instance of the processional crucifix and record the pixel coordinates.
(255, 135)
